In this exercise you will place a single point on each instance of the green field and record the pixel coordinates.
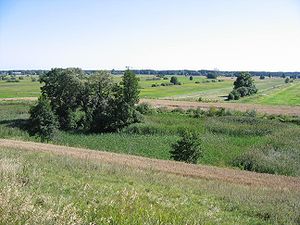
(285, 95)
(271, 91)
(40, 188)
(23, 88)
(227, 141)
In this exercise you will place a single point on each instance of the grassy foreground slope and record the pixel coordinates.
(41, 188)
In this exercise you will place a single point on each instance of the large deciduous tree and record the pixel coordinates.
(64, 87)
(243, 86)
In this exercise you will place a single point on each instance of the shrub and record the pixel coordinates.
(251, 113)
(243, 86)
(191, 77)
(198, 113)
(42, 120)
(197, 82)
(287, 80)
(145, 108)
(234, 95)
(174, 80)
(212, 75)
(230, 96)
(165, 78)
(187, 149)
(178, 110)
(243, 91)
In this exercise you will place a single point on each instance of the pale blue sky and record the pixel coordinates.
(156, 34)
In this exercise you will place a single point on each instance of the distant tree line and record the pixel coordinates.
(207, 73)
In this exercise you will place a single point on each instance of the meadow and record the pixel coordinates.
(271, 91)
(284, 95)
(41, 188)
(231, 140)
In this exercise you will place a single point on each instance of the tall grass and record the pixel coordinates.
(229, 139)
(39, 188)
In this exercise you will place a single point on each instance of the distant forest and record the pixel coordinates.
(168, 72)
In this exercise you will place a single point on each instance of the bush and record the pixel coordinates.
(287, 80)
(230, 96)
(243, 86)
(212, 75)
(145, 108)
(178, 110)
(191, 77)
(243, 91)
(266, 160)
(187, 149)
(197, 82)
(42, 120)
(234, 95)
(174, 80)
(197, 113)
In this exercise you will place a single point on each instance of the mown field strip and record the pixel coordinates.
(276, 110)
(268, 109)
(183, 169)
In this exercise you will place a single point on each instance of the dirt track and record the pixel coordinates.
(277, 110)
(183, 169)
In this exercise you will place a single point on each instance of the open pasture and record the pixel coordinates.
(271, 91)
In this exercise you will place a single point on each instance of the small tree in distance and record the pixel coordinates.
(187, 149)
(42, 120)
(243, 86)
(174, 80)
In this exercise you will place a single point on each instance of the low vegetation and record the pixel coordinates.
(228, 139)
(40, 188)
(187, 149)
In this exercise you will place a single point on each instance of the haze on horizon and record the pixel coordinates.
(158, 34)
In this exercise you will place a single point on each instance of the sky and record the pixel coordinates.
(252, 35)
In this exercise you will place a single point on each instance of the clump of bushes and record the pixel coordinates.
(94, 103)
(174, 80)
(43, 121)
(166, 84)
(12, 79)
(212, 75)
(187, 149)
(145, 108)
(267, 160)
(243, 86)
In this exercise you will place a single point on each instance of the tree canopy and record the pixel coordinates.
(243, 86)
(93, 103)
